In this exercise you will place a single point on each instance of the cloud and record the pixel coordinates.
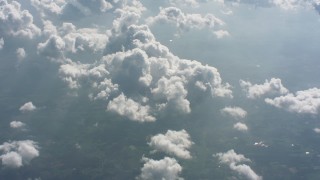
(18, 153)
(68, 39)
(235, 161)
(27, 107)
(235, 112)
(17, 124)
(307, 101)
(134, 68)
(316, 130)
(183, 21)
(52, 48)
(21, 53)
(130, 109)
(274, 86)
(240, 127)
(173, 142)
(16, 22)
(46, 7)
(221, 33)
(82, 39)
(138, 67)
(166, 168)
(1, 43)
(11, 159)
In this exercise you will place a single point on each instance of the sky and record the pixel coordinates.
(154, 90)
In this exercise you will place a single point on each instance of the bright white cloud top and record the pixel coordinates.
(184, 21)
(175, 143)
(18, 153)
(236, 163)
(131, 109)
(272, 87)
(21, 53)
(17, 124)
(235, 112)
(166, 168)
(240, 127)
(135, 63)
(17, 22)
(307, 101)
(28, 107)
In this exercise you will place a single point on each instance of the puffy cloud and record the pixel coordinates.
(17, 124)
(27, 107)
(83, 39)
(316, 130)
(240, 127)
(131, 109)
(49, 29)
(70, 39)
(174, 92)
(274, 86)
(138, 66)
(52, 48)
(231, 156)
(173, 142)
(18, 153)
(16, 22)
(235, 112)
(104, 89)
(183, 21)
(11, 159)
(221, 33)
(246, 171)
(21, 53)
(49, 6)
(307, 101)
(234, 161)
(166, 168)
(1, 43)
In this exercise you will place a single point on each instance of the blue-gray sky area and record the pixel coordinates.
(154, 90)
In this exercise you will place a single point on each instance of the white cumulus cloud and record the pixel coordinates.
(136, 67)
(18, 153)
(307, 101)
(240, 127)
(221, 33)
(235, 112)
(273, 87)
(21, 53)
(28, 107)
(131, 109)
(16, 22)
(184, 21)
(236, 163)
(17, 124)
(173, 142)
(316, 130)
(166, 168)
